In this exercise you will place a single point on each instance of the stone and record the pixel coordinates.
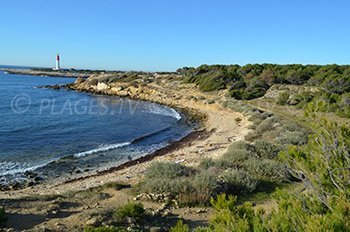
(79, 81)
(101, 86)
(92, 222)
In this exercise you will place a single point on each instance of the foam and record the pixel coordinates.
(101, 149)
(163, 110)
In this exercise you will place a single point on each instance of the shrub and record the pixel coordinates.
(229, 217)
(283, 98)
(180, 227)
(236, 154)
(206, 163)
(130, 210)
(2, 217)
(238, 181)
(266, 149)
(294, 138)
(166, 170)
(267, 169)
(205, 183)
(167, 185)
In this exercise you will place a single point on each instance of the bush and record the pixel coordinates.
(237, 153)
(167, 185)
(238, 181)
(130, 210)
(205, 183)
(207, 163)
(294, 138)
(3, 218)
(166, 170)
(229, 217)
(180, 227)
(283, 98)
(266, 149)
(267, 169)
(269, 124)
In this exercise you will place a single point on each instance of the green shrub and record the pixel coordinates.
(266, 149)
(202, 229)
(283, 98)
(238, 181)
(167, 185)
(166, 170)
(3, 218)
(229, 217)
(236, 155)
(206, 163)
(130, 210)
(205, 183)
(180, 227)
(294, 138)
(267, 169)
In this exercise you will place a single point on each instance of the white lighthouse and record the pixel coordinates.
(57, 62)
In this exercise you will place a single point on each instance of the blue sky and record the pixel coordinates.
(157, 35)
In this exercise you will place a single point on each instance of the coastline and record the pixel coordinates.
(43, 73)
(209, 138)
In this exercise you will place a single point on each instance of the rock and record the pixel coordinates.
(101, 86)
(155, 229)
(117, 89)
(92, 222)
(79, 80)
(38, 179)
(130, 220)
(56, 87)
(201, 211)
(166, 213)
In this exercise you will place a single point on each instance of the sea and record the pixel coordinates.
(58, 134)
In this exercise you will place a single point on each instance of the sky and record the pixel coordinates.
(163, 35)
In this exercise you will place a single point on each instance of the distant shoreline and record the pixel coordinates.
(52, 73)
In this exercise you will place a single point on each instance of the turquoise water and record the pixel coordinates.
(53, 133)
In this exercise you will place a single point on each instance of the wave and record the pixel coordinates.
(143, 137)
(109, 147)
(162, 110)
(13, 168)
(101, 149)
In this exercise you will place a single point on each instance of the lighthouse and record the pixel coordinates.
(57, 62)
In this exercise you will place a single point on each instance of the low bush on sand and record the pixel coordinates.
(167, 170)
(130, 210)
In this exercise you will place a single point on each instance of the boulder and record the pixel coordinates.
(79, 80)
(102, 86)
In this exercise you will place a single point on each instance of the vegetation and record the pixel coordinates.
(180, 227)
(253, 80)
(323, 164)
(130, 210)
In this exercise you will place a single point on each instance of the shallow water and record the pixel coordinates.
(54, 133)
